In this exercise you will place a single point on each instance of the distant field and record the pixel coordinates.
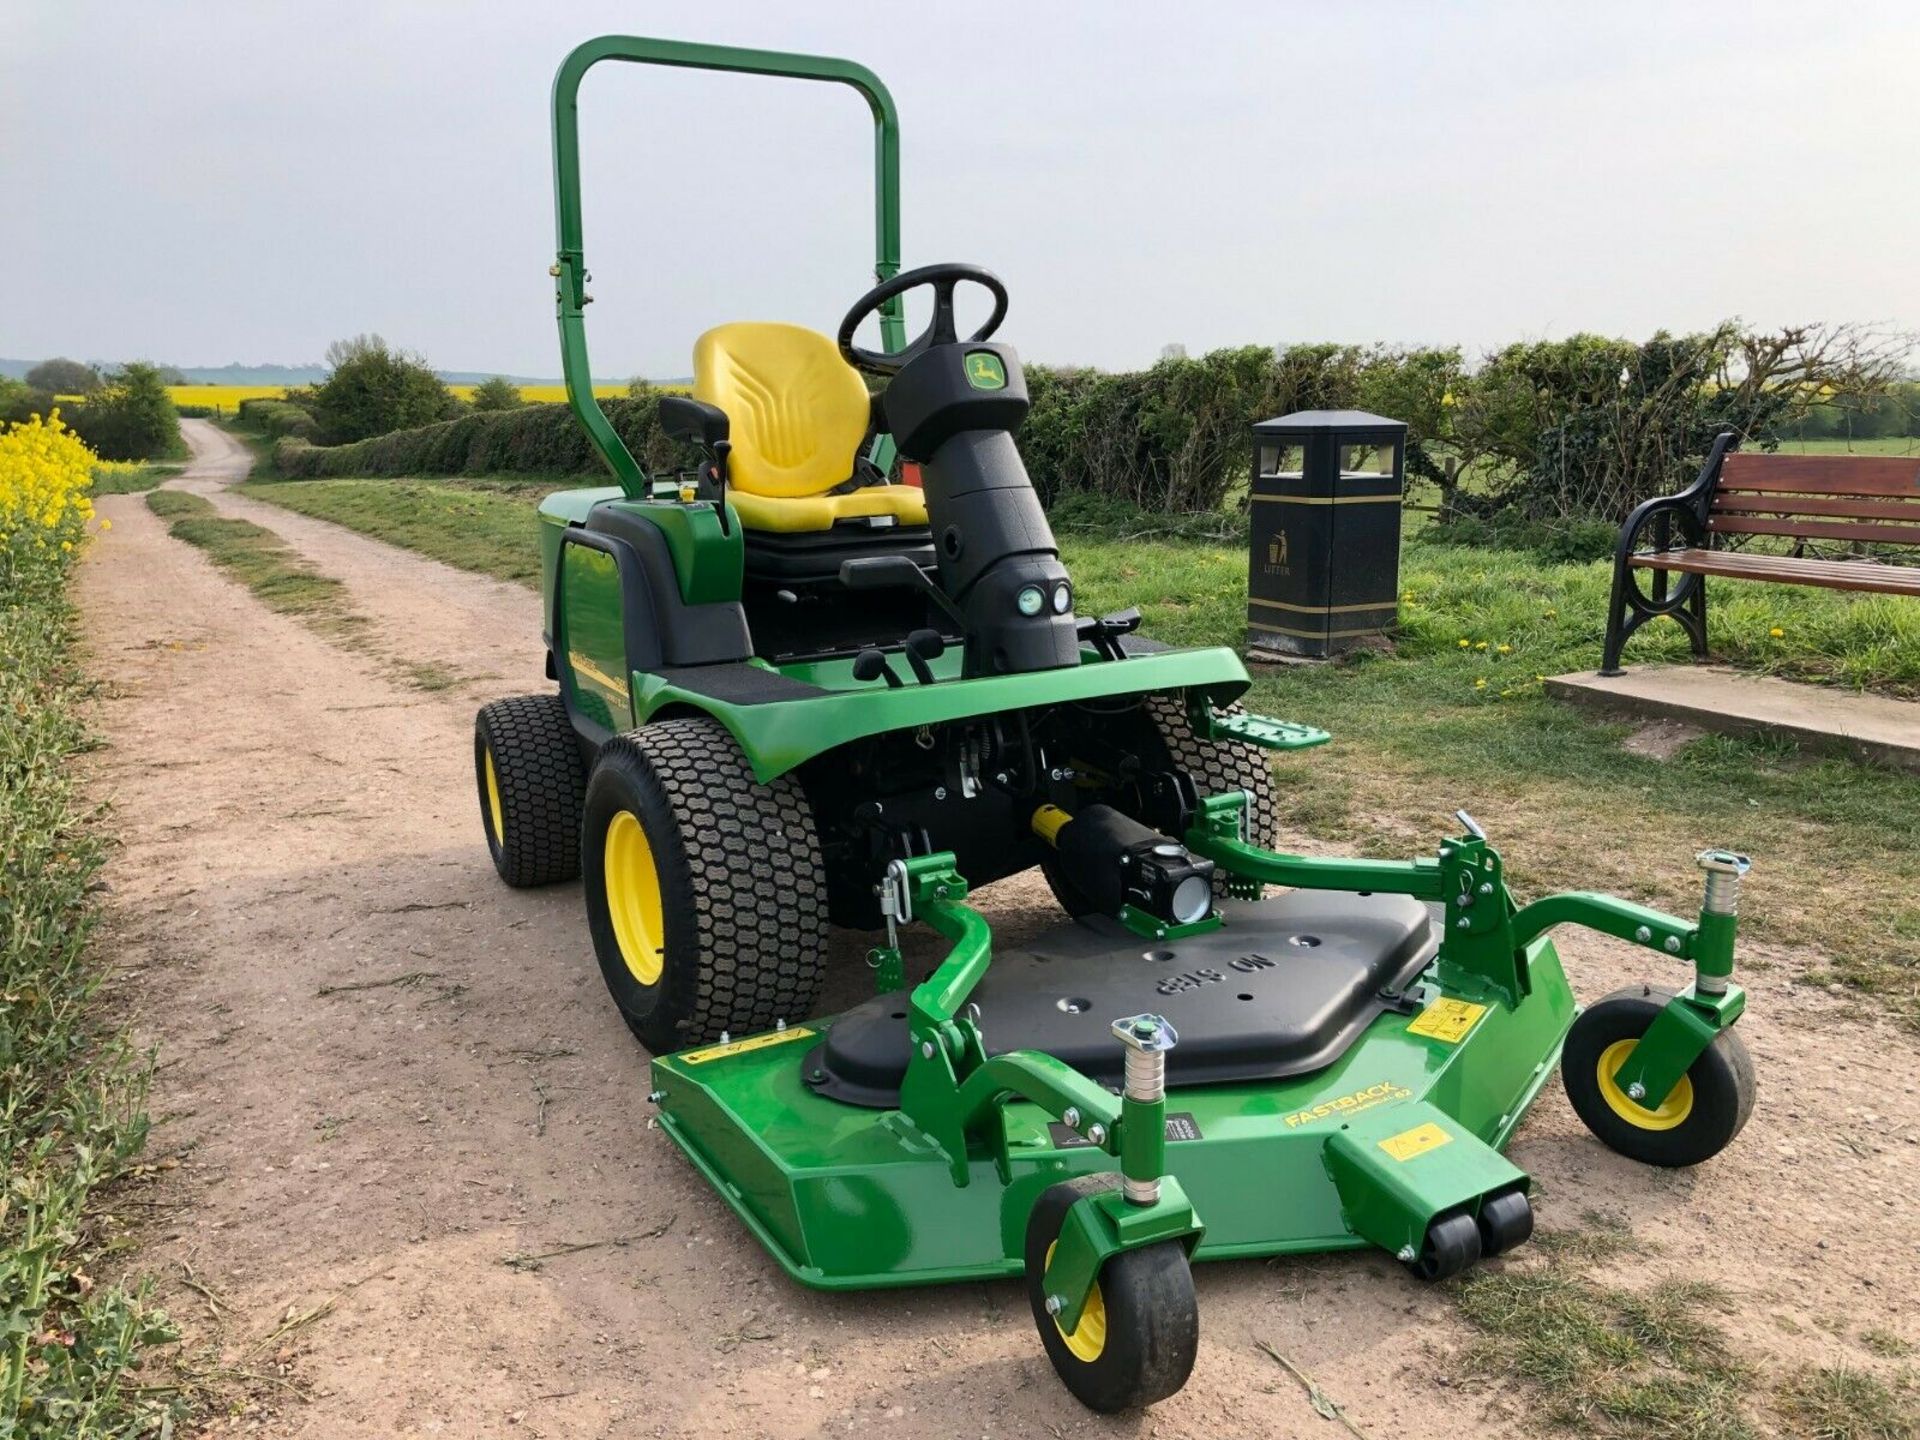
(228, 397)
(1890, 445)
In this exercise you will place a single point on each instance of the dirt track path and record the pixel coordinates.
(296, 821)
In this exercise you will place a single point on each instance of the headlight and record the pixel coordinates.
(1063, 599)
(1031, 600)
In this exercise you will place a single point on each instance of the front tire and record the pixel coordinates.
(526, 766)
(1706, 1110)
(1140, 1330)
(704, 888)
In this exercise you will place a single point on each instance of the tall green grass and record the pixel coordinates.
(71, 1091)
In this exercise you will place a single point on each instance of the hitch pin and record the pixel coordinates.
(1472, 825)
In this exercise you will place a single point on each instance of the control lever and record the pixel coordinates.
(888, 572)
(922, 646)
(871, 664)
(1106, 630)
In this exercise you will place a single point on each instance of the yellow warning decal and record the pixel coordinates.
(757, 1042)
(1447, 1021)
(1417, 1141)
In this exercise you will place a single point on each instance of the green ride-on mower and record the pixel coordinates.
(836, 676)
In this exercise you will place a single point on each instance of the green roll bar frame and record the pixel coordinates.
(569, 270)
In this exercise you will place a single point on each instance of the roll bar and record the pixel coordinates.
(570, 271)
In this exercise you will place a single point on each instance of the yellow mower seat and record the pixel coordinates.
(797, 413)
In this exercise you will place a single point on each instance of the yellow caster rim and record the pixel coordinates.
(1087, 1341)
(1673, 1110)
(494, 813)
(633, 898)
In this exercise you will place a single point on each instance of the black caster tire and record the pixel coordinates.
(1451, 1245)
(527, 768)
(1706, 1110)
(1506, 1221)
(1137, 1339)
(704, 888)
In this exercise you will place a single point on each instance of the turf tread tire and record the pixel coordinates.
(536, 762)
(742, 882)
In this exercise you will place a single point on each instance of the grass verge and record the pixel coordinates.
(1652, 1362)
(482, 526)
(259, 560)
(1456, 715)
(72, 1092)
(116, 479)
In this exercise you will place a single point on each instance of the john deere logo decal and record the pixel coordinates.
(984, 370)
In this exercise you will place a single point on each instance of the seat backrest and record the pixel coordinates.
(1868, 499)
(798, 412)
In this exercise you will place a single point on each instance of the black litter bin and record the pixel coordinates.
(1324, 573)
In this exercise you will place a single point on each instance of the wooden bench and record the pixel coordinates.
(1858, 500)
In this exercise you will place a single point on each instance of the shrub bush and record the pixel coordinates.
(373, 390)
(130, 418)
(64, 377)
(497, 393)
(277, 418)
(19, 401)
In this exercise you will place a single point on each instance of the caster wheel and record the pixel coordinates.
(1505, 1221)
(1452, 1244)
(1140, 1330)
(1695, 1122)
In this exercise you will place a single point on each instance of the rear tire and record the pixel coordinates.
(704, 888)
(527, 768)
(1220, 766)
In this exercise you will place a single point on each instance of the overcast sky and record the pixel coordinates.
(206, 182)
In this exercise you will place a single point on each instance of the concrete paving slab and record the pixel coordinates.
(1712, 697)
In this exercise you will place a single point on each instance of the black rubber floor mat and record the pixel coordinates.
(1283, 988)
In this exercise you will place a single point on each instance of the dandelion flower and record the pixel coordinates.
(1479, 644)
(106, 525)
(1465, 643)
(1481, 683)
(1776, 632)
(1503, 650)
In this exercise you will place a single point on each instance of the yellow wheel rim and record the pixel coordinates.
(1673, 1110)
(1087, 1340)
(493, 800)
(633, 898)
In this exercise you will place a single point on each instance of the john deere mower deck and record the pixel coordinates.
(834, 673)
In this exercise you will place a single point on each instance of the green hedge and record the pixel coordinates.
(533, 439)
(276, 419)
(1171, 439)
(1538, 435)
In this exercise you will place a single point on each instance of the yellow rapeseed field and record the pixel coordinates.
(44, 474)
(227, 398)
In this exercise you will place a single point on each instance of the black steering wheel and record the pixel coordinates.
(943, 279)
